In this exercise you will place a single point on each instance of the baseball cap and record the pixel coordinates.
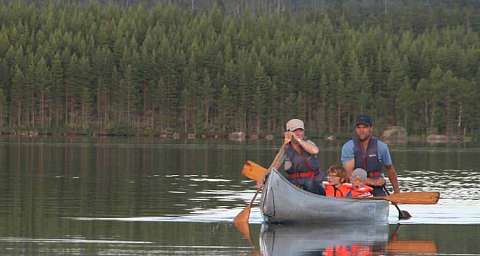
(294, 124)
(363, 119)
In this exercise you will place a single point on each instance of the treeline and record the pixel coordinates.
(107, 68)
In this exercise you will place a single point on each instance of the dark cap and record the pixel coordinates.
(363, 119)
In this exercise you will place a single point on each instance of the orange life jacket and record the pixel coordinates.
(342, 191)
(342, 250)
(363, 191)
(361, 250)
(339, 250)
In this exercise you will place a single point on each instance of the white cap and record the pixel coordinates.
(294, 124)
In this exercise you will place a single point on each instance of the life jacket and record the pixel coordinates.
(338, 250)
(368, 160)
(343, 250)
(332, 191)
(360, 192)
(303, 162)
(361, 250)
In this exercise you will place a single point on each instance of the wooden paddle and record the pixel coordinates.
(411, 197)
(402, 214)
(257, 173)
(254, 171)
(241, 220)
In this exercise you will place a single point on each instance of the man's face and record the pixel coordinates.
(363, 131)
(300, 133)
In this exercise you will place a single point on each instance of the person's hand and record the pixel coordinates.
(365, 196)
(377, 182)
(260, 184)
(287, 137)
(295, 137)
(290, 136)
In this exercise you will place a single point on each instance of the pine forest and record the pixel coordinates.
(90, 67)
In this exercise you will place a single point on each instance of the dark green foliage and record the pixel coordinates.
(87, 66)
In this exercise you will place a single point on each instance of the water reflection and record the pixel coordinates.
(315, 239)
(86, 196)
(348, 239)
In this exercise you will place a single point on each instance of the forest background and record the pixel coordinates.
(213, 67)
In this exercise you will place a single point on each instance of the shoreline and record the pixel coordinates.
(244, 138)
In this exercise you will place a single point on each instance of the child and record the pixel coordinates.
(336, 186)
(359, 189)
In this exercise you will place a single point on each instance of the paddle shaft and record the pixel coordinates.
(253, 199)
(401, 214)
(244, 215)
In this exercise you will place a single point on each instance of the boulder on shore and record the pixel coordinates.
(254, 137)
(442, 138)
(331, 138)
(269, 137)
(237, 136)
(395, 135)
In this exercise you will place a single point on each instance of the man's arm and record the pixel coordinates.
(349, 165)
(389, 168)
(347, 157)
(392, 176)
(310, 147)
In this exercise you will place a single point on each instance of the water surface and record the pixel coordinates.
(130, 196)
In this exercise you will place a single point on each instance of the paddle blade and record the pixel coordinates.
(243, 216)
(413, 197)
(241, 223)
(404, 215)
(254, 171)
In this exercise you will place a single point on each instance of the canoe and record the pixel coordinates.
(283, 202)
(314, 239)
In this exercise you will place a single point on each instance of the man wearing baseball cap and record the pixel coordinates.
(369, 153)
(301, 162)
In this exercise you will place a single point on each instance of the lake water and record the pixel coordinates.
(131, 196)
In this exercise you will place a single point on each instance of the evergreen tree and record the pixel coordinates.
(167, 69)
(3, 108)
(17, 97)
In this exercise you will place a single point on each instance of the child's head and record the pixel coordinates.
(359, 176)
(336, 175)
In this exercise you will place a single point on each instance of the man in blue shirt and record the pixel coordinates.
(369, 153)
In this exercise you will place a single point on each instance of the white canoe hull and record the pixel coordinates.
(282, 202)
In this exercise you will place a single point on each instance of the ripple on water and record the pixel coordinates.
(210, 180)
(73, 240)
(452, 184)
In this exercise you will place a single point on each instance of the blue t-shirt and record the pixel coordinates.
(382, 149)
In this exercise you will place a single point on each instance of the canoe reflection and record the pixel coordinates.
(342, 239)
(409, 247)
(323, 240)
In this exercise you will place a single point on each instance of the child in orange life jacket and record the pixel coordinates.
(359, 189)
(336, 186)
